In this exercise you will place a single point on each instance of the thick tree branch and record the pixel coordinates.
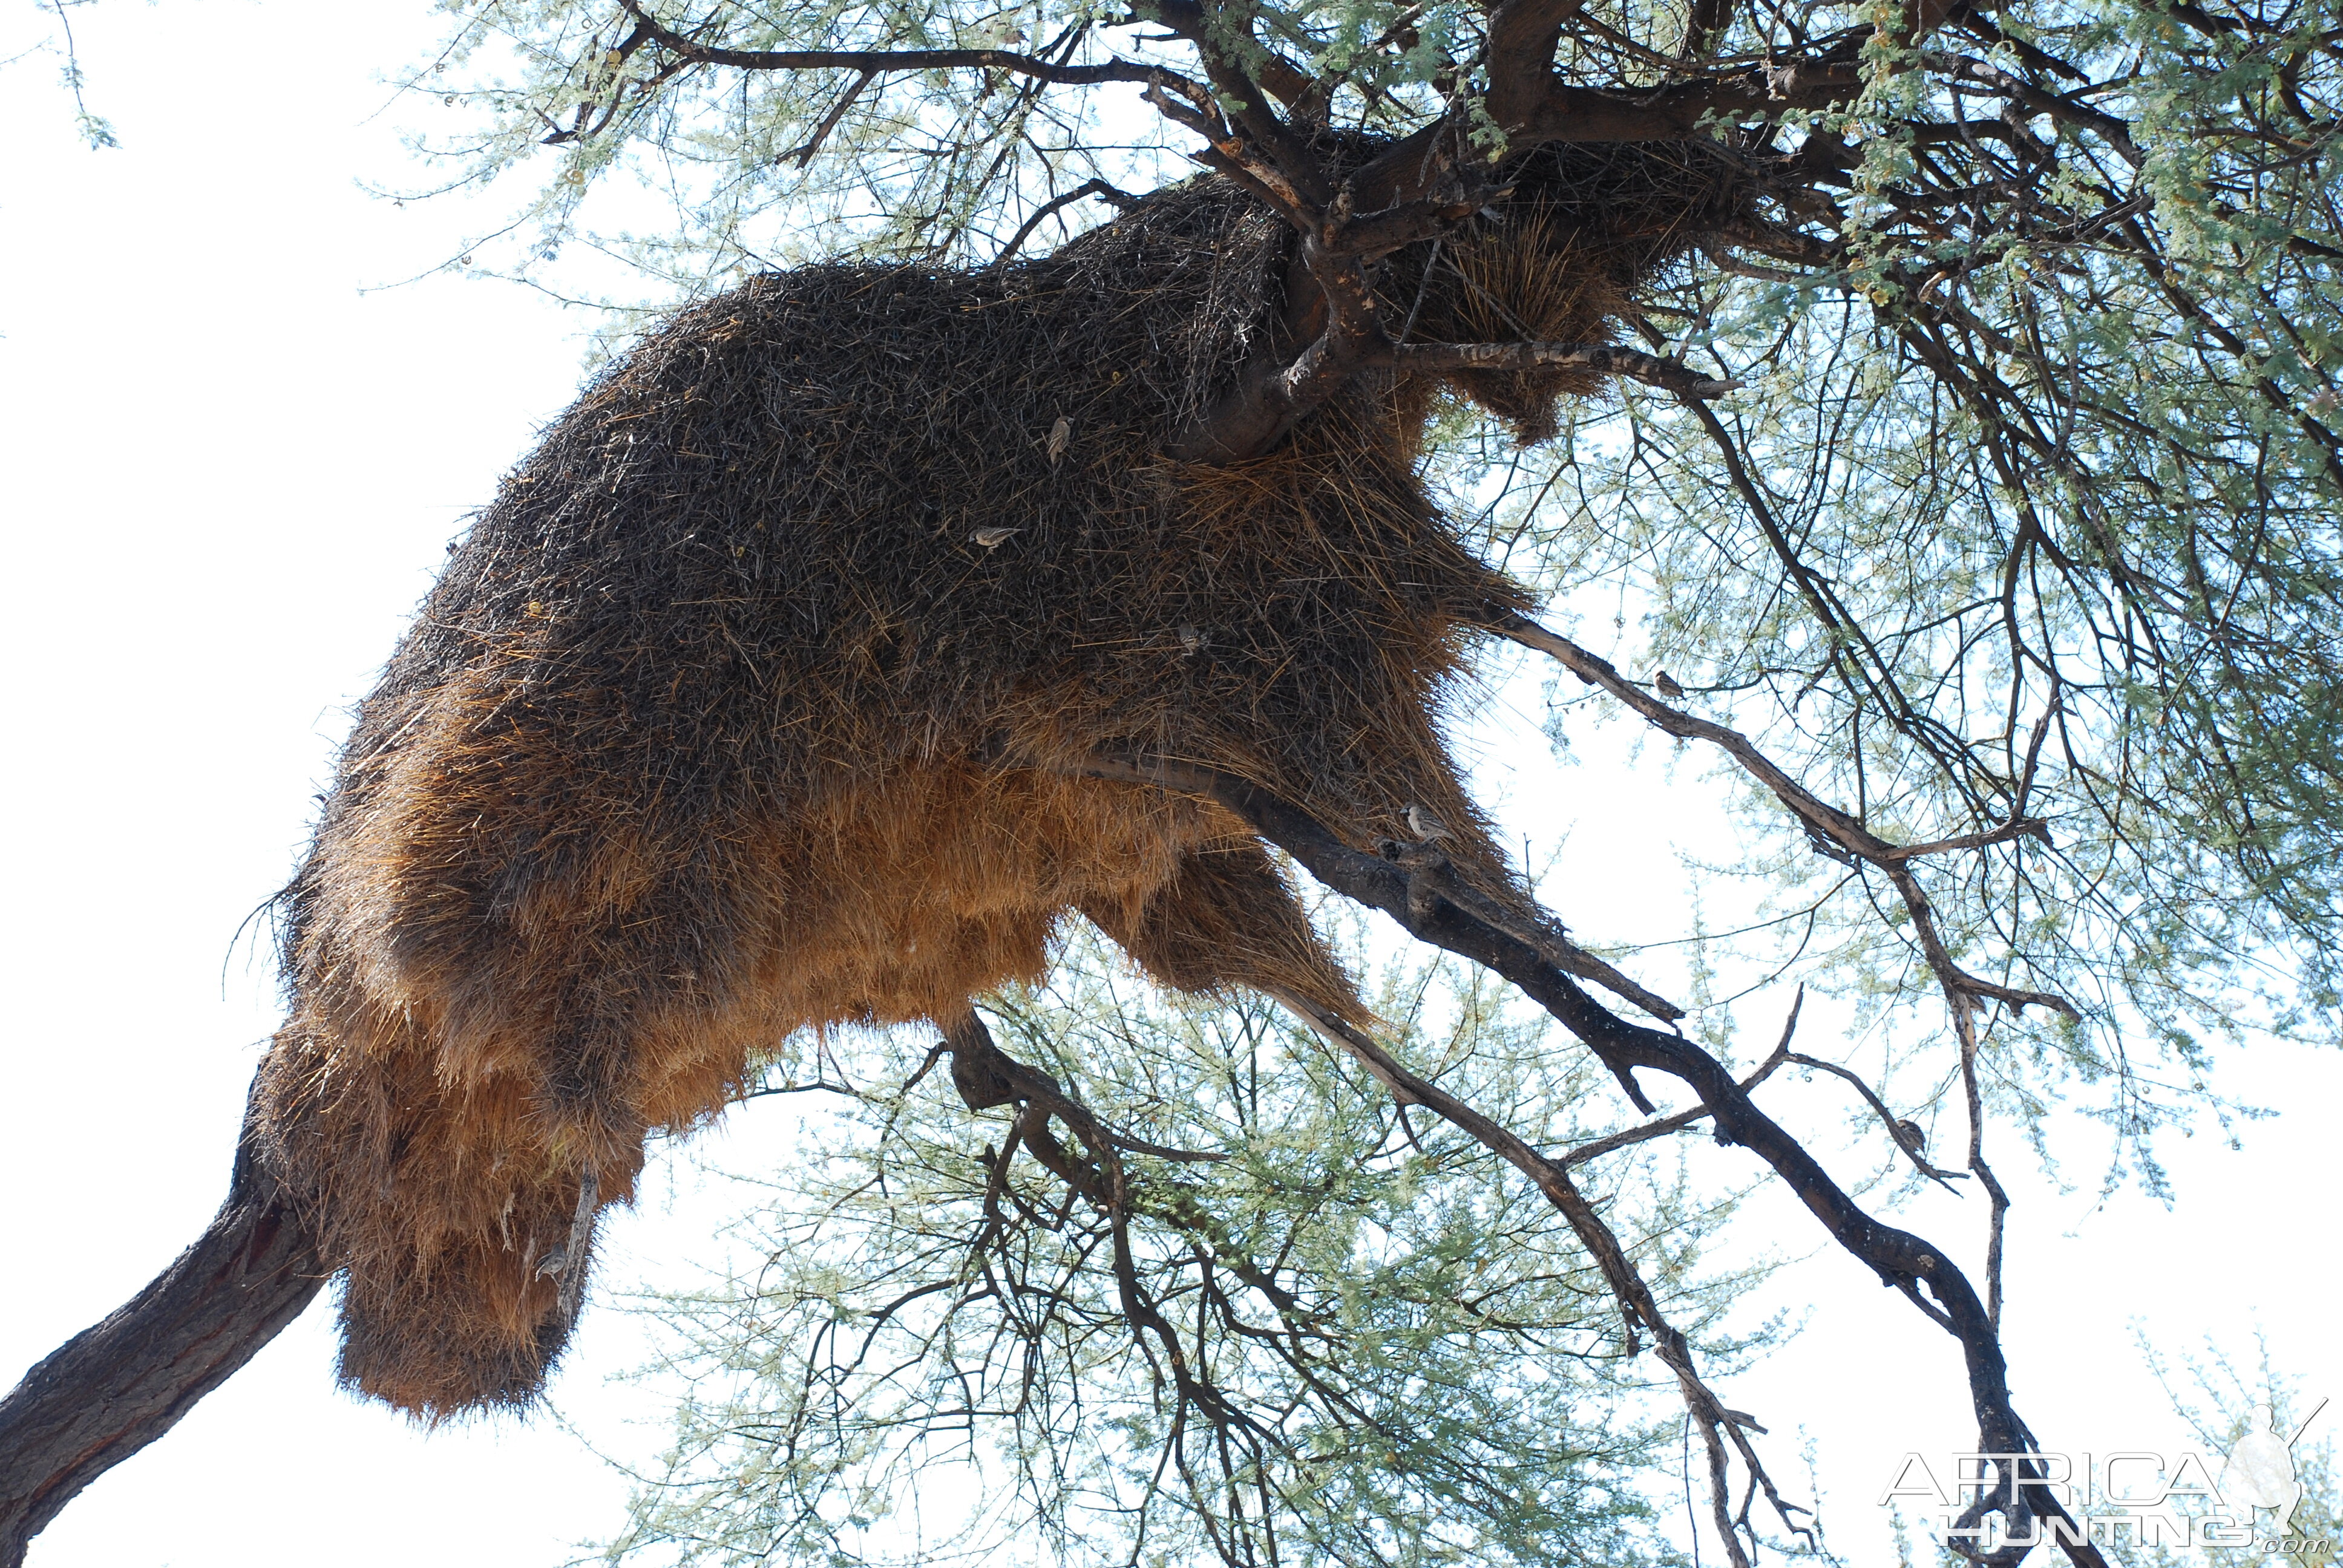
(1428, 868)
(1676, 112)
(1631, 1136)
(1283, 80)
(112, 1388)
(1523, 35)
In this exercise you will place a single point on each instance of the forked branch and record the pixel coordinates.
(1716, 1423)
(1898, 1257)
(1831, 828)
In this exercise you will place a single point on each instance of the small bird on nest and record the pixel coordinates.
(1667, 685)
(1060, 434)
(552, 1260)
(1425, 825)
(989, 537)
(1192, 642)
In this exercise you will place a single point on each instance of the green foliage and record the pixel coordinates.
(723, 174)
(2030, 511)
(1400, 1354)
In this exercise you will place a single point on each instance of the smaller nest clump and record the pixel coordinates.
(1586, 230)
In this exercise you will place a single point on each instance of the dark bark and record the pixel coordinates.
(112, 1388)
(1417, 898)
(1672, 375)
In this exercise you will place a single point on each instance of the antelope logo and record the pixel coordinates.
(2260, 1471)
(2135, 1497)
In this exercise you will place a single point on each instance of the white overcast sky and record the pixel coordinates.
(233, 462)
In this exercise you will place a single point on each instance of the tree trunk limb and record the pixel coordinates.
(1899, 1258)
(112, 1388)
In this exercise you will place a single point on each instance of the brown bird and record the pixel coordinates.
(1913, 1136)
(1060, 434)
(1425, 825)
(1667, 685)
(989, 537)
(1191, 641)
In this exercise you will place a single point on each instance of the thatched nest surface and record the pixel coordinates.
(725, 723)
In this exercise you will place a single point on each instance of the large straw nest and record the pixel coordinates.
(721, 726)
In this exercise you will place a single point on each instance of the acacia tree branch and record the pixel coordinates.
(1229, 64)
(1043, 1100)
(1119, 199)
(985, 1076)
(1285, 81)
(1519, 56)
(1048, 71)
(829, 122)
(2022, 827)
(1831, 827)
(1427, 865)
(1899, 1257)
(1568, 113)
(1887, 1119)
(1673, 374)
(1683, 1118)
(1964, 1028)
(1628, 1284)
(112, 1388)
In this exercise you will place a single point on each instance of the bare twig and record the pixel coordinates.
(1672, 375)
(804, 154)
(1121, 199)
(1828, 824)
(1887, 1119)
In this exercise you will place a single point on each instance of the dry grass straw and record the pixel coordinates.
(711, 730)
